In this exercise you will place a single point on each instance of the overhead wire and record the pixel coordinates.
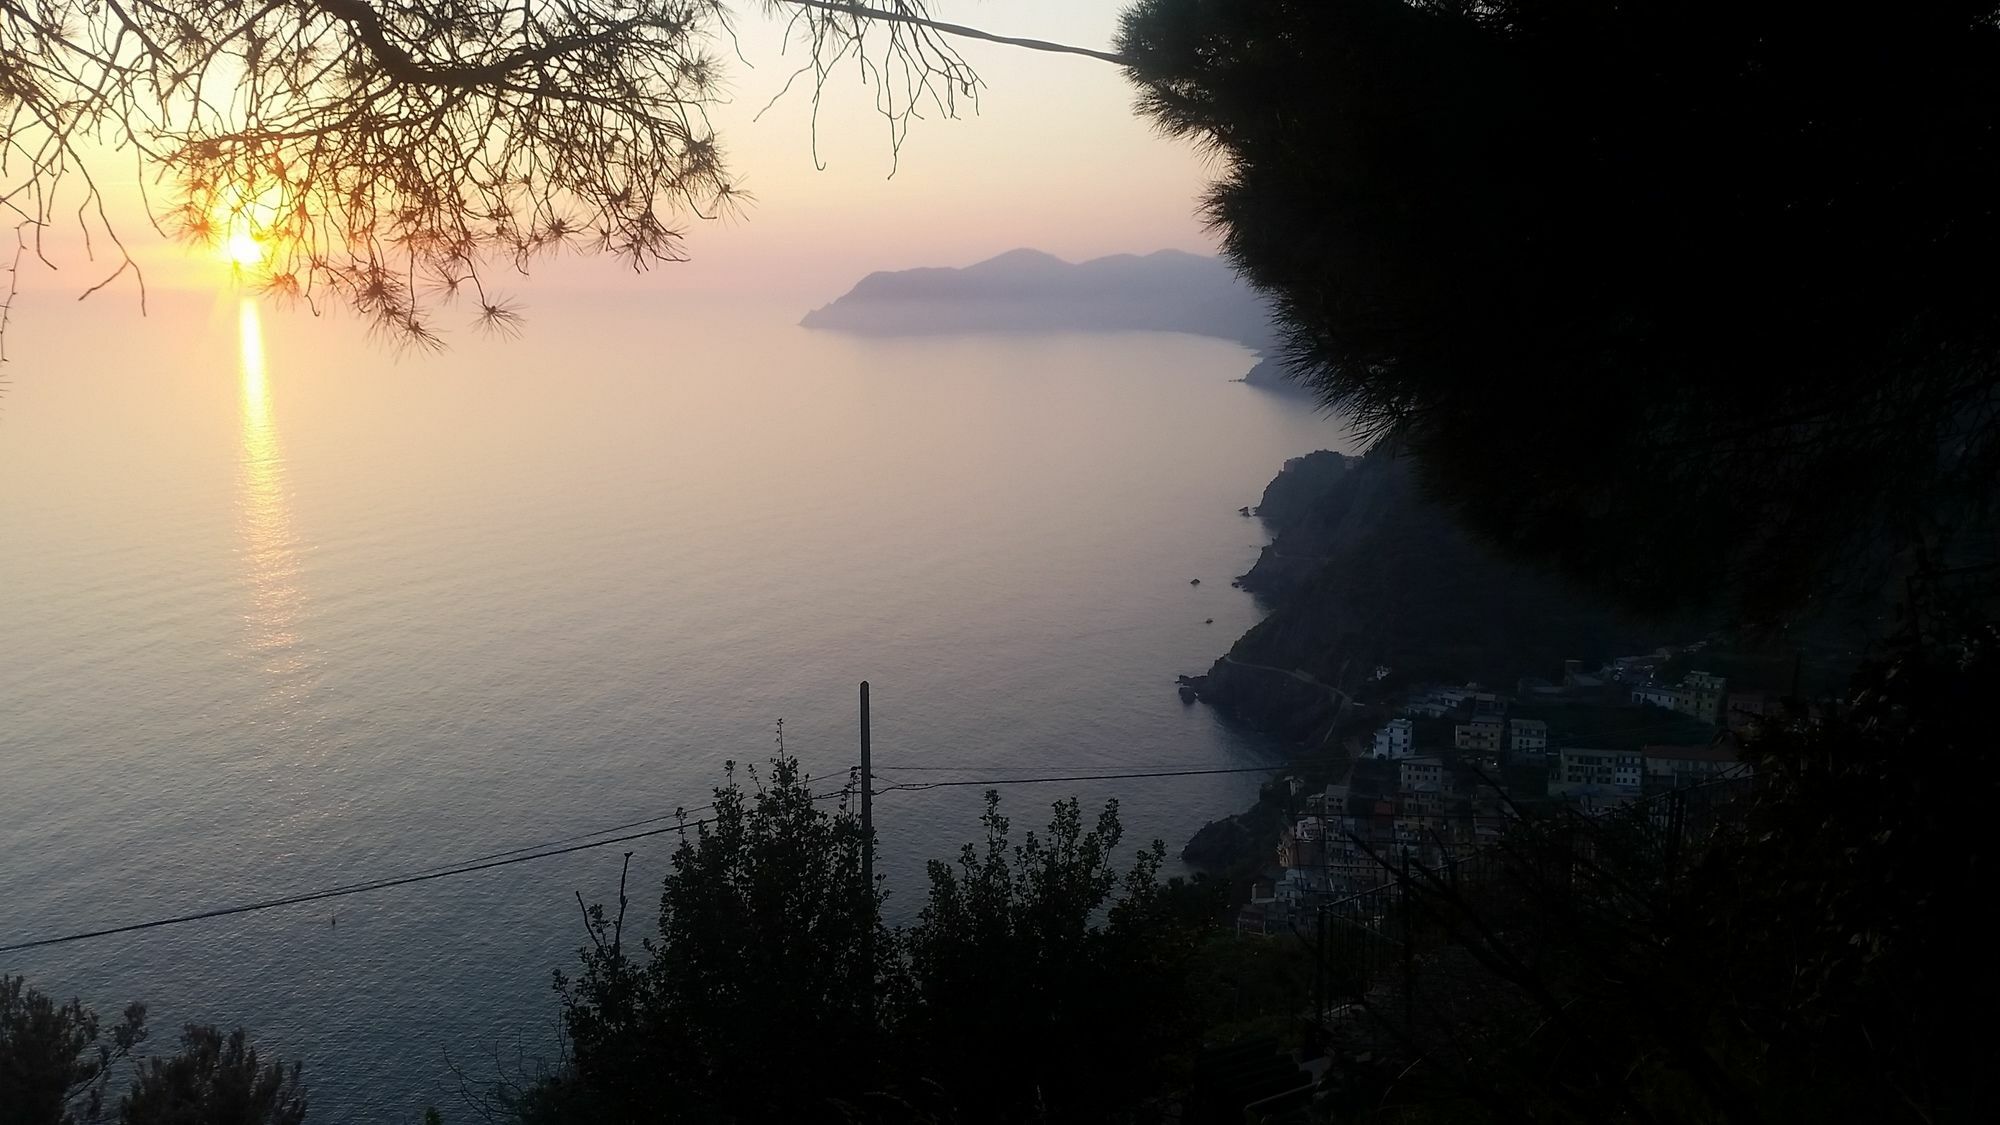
(443, 871)
(551, 848)
(586, 841)
(920, 786)
(338, 892)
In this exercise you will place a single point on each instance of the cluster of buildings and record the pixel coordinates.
(1446, 775)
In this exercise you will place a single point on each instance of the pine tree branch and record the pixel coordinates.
(865, 12)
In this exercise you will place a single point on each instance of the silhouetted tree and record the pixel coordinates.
(214, 1080)
(747, 1003)
(1692, 301)
(1040, 983)
(54, 1066)
(1043, 983)
(55, 1070)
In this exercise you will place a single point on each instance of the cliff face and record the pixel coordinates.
(1364, 573)
(1296, 491)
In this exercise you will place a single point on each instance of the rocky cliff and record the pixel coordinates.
(1272, 375)
(1372, 585)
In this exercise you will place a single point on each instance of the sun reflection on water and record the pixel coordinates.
(270, 546)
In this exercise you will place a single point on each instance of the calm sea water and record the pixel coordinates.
(279, 612)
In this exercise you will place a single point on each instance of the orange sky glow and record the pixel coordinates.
(1054, 158)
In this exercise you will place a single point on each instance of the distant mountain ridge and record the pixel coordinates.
(1031, 291)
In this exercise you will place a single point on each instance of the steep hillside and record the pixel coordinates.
(1369, 575)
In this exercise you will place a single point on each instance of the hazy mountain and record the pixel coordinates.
(1027, 290)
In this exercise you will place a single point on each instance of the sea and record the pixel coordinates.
(286, 610)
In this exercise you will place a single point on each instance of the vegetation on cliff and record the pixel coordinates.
(1042, 981)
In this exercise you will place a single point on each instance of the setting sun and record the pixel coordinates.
(243, 249)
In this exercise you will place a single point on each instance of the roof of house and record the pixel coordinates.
(1712, 753)
(1574, 751)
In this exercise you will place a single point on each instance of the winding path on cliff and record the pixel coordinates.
(1302, 677)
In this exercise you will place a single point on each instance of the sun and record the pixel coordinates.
(243, 249)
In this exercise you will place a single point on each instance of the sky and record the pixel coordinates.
(1054, 158)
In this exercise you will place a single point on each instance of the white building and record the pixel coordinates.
(1691, 765)
(1596, 771)
(1396, 739)
(1531, 736)
(1701, 694)
(1422, 775)
(1660, 695)
(1298, 886)
(1480, 735)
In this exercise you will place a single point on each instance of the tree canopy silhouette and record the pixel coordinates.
(1041, 981)
(57, 1062)
(1694, 301)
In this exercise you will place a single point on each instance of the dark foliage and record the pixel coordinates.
(214, 1080)
(747, 1004)
(1693, 301)
(53, 1065)
(1040, 983)
(1810, 949)
(55, 1068)
(1859, 971)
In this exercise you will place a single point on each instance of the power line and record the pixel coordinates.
(919, 786)
(462, 867)
(567, 846)
(1023, 766)
(675, 815)
(339, 892)
(559, 847)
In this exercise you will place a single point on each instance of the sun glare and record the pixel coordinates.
(243, 249)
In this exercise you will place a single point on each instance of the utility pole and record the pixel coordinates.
(1320, 989)
(867, 870)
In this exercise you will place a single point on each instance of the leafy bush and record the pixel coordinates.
(55, 1070)
(1040, 982)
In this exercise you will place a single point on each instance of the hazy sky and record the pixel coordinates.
(1053, 158)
